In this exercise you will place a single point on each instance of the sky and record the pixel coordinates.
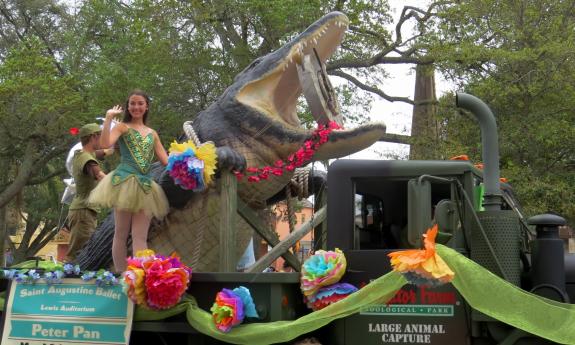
(396, 115)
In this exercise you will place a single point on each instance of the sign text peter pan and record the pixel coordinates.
(70, 313)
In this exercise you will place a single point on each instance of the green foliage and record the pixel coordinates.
(36, 103)
(37, 108)
(517, 57)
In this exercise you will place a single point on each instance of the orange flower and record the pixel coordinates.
(422, 266)
(459, 158)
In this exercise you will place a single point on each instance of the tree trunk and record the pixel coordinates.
(424, 126)
(3, 236)
(3, 228)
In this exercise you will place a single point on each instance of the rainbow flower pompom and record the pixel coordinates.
(328, 295)
(192, 167)
(231, 307)
(156, 281)
(322, 269)
(422, 266)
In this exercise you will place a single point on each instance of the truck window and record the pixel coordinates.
(380, 213)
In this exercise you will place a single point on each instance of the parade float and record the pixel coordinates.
(421, 252)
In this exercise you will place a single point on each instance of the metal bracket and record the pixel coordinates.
(318, 90)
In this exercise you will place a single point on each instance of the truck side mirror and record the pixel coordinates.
(418, 210)
(447, 220)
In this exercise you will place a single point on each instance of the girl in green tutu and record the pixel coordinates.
(129, 189)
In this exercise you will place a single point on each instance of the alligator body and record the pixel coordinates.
(254, 119)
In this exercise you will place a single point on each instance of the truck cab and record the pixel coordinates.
(377, 207)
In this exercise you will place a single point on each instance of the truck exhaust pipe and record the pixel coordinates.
(490, 147)
(495, 240)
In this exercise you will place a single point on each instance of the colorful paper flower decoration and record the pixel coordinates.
(231, 307)
(328, 295)
(156, 281)
(422, 266)
(192, 167)
(303, 155)
(322, 269)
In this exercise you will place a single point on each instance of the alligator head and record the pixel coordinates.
(257, 114)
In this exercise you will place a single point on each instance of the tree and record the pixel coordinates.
(518, 57)
(181, 51)
(37, 108)
(43, 19)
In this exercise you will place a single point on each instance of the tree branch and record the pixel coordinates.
(46, 235)
(371, 89)
(396, 138)
(42, 179)
(26, 170)
(378, 60)
(11, 20)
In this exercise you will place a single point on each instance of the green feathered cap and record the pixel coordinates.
(89, 129)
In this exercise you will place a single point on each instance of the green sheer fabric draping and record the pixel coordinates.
(377, 292)
(482, 289)
(506, 302)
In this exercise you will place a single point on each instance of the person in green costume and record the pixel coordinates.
(82, 217)
(129, 189)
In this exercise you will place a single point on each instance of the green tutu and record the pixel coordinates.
(129, 195)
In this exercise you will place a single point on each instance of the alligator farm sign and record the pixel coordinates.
(69, 313)
(415, 315)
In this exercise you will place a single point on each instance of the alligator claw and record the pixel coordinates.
(230, 159)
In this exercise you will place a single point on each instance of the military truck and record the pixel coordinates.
(379, 206)
(376, 207)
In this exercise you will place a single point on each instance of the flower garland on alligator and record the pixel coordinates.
(303, 155)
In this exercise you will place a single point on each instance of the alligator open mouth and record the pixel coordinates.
(295, 68)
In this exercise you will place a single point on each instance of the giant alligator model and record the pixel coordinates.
(254, 122)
